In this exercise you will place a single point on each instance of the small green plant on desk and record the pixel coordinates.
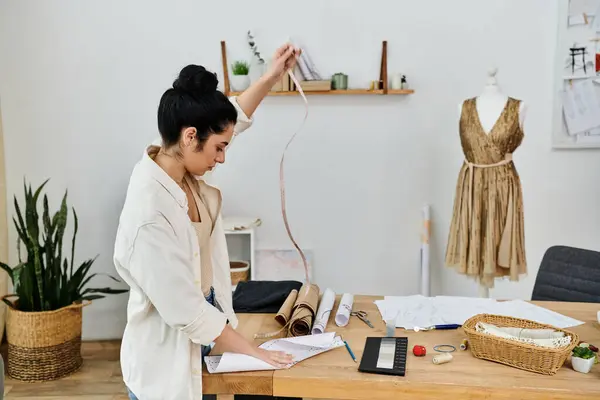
(583, 357)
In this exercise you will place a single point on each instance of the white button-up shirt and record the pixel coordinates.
(157, 254)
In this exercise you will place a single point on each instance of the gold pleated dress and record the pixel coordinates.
(487, 231)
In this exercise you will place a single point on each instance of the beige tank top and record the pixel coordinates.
(203, 232)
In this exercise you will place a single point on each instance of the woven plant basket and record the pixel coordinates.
(239, 271)
(44, 346)
(542, 360)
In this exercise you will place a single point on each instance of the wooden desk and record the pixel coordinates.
(333, 375)
(257, 382)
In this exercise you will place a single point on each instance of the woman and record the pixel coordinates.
(170, 245)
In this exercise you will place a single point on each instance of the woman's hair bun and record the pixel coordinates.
(195, 79)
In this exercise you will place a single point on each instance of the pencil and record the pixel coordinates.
(350, 351)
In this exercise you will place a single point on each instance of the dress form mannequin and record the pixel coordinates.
(491, 102)
(490, 105)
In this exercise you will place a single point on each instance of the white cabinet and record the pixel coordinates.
(240, 245)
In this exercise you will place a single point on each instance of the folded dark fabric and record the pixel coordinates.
(262, 296)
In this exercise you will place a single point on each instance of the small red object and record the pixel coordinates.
(419, 351)
(593, 348)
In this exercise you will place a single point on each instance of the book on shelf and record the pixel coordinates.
(315, 85)
(286, 84)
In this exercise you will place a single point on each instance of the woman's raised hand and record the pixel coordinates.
(284, 59)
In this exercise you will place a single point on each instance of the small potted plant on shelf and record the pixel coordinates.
(583, 357)
(240, 79)
(44, 316)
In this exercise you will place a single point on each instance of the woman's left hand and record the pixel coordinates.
(278, 359)
(284, 58)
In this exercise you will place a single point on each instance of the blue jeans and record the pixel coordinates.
(211, 299)
(131, 395)
(205, 349)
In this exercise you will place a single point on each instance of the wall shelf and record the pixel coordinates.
(382, 90)
(336, 92)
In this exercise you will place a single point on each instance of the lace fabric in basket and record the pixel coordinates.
(536, 337)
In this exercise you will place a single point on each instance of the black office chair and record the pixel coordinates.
(568, 274)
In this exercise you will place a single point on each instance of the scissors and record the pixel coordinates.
(363, 317)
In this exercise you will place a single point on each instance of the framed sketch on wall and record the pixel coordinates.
(282, 264)
(576, 110)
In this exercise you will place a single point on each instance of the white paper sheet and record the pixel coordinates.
(525, 310)
(421, 312)
(342, 316)
(591, 136)
(588, 139)
(581, 107)
(300, 347)
(580, 7)
(324, 311)
(579, 19)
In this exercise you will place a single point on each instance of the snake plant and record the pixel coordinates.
(45, 280)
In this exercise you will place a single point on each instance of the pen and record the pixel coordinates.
(350, 351)
(434, 327)
(448, 326)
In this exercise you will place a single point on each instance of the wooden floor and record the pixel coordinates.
(98, 379)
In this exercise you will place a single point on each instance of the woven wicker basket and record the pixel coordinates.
(524, 356)
(44, 346)
(239, 271)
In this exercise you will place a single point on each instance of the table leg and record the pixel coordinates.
(224, 397)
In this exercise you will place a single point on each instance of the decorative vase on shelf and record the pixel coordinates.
(339, 81)
(240, 83)
(240, 80)
(396, 83)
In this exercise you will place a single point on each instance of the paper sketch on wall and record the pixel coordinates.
(273, 265)
(582, 58)
(578, 81)
(581, 106)
(583, 12)
(580, 96)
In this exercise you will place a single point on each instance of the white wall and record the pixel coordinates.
(80, 82)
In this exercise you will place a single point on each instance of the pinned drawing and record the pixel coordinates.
(577, 79)
(275, 265)
(581, 54)
(577, 52)
(581, 107)
(583, 12)
(580, 61)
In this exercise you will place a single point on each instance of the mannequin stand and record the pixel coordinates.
(491, 102)
(490, 105)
